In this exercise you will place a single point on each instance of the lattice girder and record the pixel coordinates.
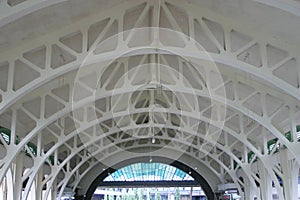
(50, 69)
(65, 182)
(15, 9)
(63, 141)
(261, 81)
(108, 95)
(135, 145)
(141, 110)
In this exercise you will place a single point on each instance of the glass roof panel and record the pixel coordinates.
(148, 172)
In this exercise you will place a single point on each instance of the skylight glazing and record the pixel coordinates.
(149, 172)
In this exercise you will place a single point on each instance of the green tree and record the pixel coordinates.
(177, 194)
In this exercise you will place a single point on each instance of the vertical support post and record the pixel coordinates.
(295, 170)
(13, 127)
(250, 191)
(54, 190)
(39, 185)
(290, 171)
(4, 188)
(265, 182)
(17, 172)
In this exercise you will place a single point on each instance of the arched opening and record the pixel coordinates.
(187, 174)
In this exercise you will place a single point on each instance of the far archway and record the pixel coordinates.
(176, 164)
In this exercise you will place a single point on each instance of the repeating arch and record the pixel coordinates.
(124, 140)
(75, 59)
(260, 96)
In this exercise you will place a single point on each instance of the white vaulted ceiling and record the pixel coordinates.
(87, 82)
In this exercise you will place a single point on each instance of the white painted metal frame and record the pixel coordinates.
(65, 52)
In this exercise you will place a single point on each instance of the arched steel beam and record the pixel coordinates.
(11, 13)
(49, 74)
(176, 128)
(43, 124)
(161, 153)
(187, 114)
(65, 182)
(84, 160)
(191, 53)
(289, 6)
(74, 153)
